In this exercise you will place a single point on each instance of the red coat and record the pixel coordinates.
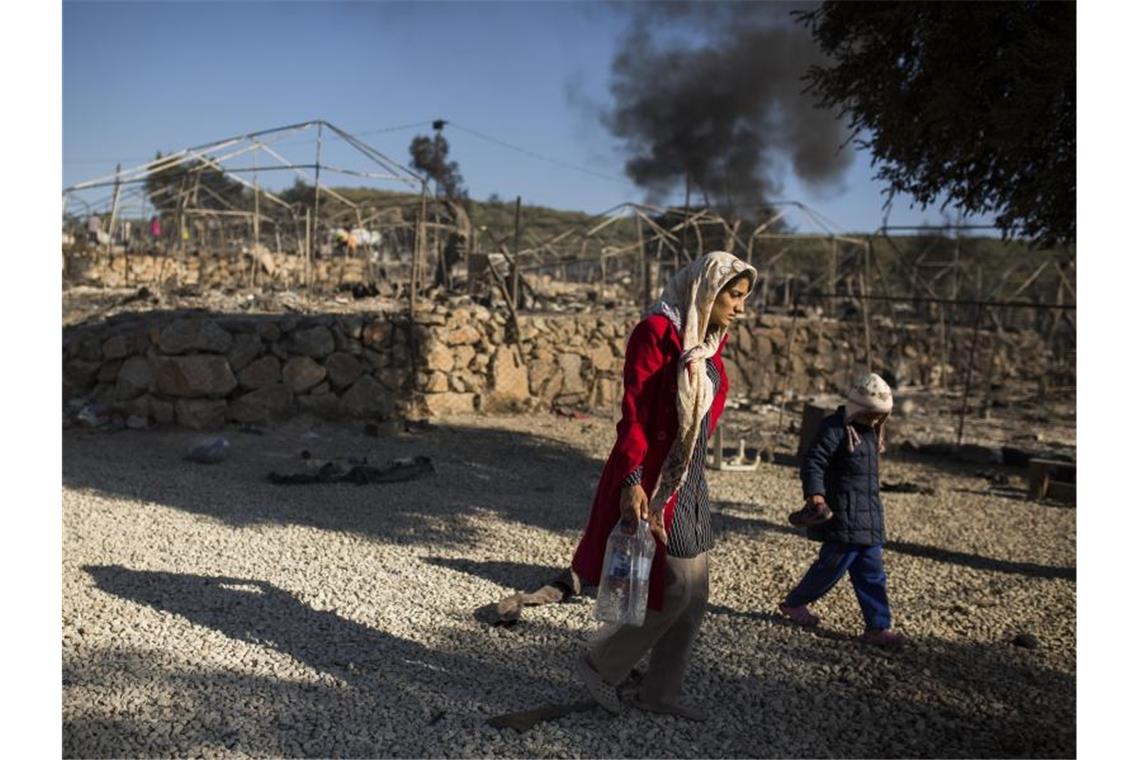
(645, 433)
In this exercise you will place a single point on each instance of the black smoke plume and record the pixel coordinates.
(711, 94)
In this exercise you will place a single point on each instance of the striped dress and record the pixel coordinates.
(691, 532)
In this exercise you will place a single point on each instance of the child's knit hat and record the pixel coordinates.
(870, 393)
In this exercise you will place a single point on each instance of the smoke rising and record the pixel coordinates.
(720, 103)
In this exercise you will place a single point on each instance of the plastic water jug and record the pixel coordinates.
(623, 590)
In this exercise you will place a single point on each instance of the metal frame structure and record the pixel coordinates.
(865, 276)
(236, 158)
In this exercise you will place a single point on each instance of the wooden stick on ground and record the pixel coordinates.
(527, 719)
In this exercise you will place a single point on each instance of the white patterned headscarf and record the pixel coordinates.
(687, 301)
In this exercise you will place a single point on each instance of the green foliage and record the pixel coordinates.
(300, 193)
(974, 100)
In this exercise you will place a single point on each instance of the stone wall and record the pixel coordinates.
(577, 360)
(207, 270)
(201, 370)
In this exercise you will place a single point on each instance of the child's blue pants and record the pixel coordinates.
(865, 563)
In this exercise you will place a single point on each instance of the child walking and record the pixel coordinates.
(840, 477)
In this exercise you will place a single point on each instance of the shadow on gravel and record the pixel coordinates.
(737, 524)
(384, 679)
(933, 699)
(512, 575)
(520, 477)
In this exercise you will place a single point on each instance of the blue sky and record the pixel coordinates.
(145, 76)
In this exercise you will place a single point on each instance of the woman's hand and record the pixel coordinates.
(634, 503)
(635, 506)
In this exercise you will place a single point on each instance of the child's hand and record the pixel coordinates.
(815, 512)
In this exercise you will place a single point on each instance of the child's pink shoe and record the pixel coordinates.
(883, 638)
(801, 614)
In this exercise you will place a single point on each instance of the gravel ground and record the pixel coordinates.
(207, 612)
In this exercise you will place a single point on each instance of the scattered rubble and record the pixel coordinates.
(209, 451)
(397, 471)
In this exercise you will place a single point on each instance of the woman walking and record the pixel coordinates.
(675, 387)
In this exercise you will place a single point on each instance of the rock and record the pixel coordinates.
(462, 356)
(391, 378)
(269, 331)
(78, 377)
(134, 378)
(109, 371)
(186, 335)
(437, 356)
(1026, 641)
(444, 404)
(737, 381)
(349, 345)
(343, 369)
(430, 318)
(509, 384)
(193, 376)
(200, 414)
(463, 335)
(122, 346)
(326, 406)
(435, 382)
(301, 373)
(246, 348)
(316, 342)
(352, 326)
(374, 359)
(209, 451)
(90, 350)
(137, 422)
(763, 345)
(270, 403)
(465, 381)
(606, 392)
(261, 372)
(745, 342)
(162, 412)
(367, 398)
(376, 333)
(602, 358)
(571, 366)
(320, 389)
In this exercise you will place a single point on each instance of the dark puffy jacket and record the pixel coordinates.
(848, 480)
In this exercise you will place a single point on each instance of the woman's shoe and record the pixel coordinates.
(687, 712)
(603, 693)
(802, 614)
